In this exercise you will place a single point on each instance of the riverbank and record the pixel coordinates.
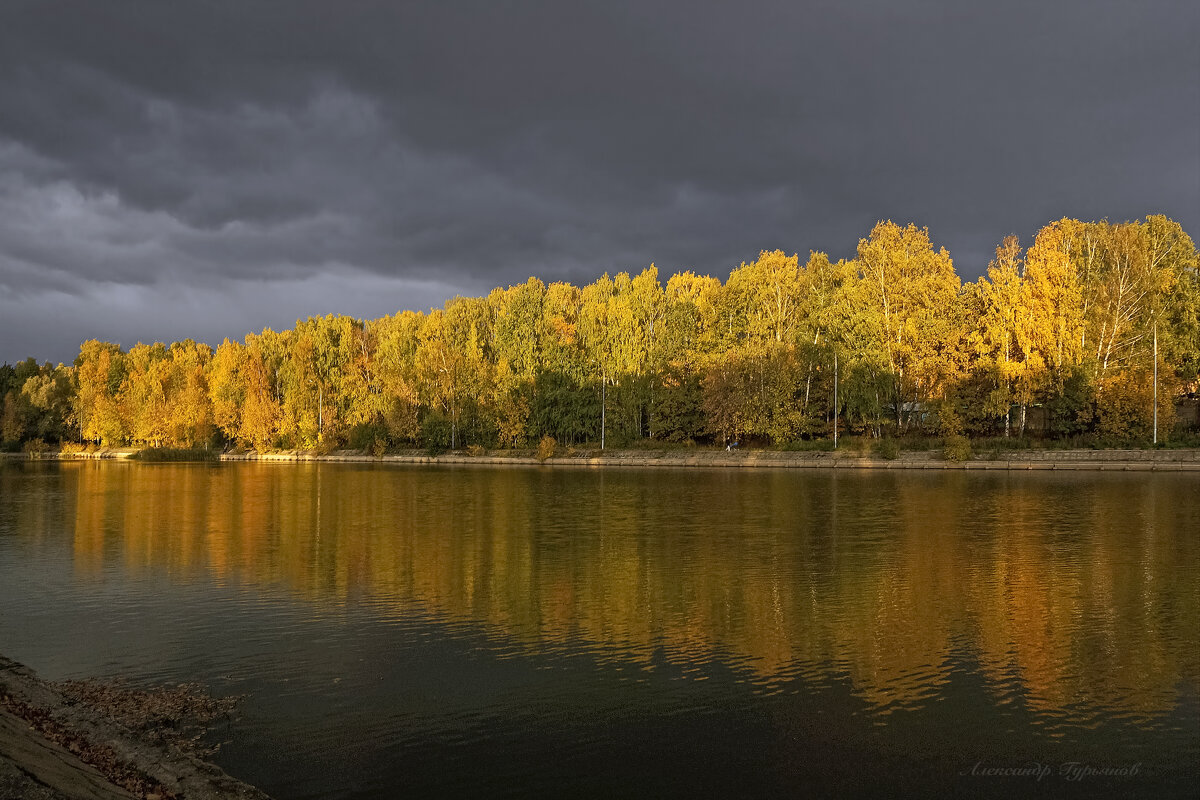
(1117, 460)
(59, 746)
(1182, 460)
(1107, 460)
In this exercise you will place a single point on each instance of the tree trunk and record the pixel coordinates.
(603, 408)
(878, 416)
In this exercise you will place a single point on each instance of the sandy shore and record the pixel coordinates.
(55, 748)
(1182, 460)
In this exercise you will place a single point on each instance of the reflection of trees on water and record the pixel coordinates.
(1073, 591)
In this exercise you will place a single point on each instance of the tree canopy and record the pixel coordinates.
(1071, 325)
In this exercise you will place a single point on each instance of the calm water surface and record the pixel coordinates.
(538, 632)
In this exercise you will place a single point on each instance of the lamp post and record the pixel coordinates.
(835, 398)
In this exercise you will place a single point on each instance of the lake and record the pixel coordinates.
(533, 631)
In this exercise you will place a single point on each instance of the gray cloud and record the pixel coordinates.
(205, 169)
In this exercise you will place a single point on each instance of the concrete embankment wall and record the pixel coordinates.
(1133, 460)
(1105, 460)
(116, 453)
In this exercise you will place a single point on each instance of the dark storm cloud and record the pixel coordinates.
(203, 169)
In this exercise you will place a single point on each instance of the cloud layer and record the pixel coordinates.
(207, 169)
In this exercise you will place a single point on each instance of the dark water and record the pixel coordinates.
(536, 632)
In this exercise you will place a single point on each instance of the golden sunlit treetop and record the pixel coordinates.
(1072, 326)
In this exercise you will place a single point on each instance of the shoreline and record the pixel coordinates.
(1181, 460)
(53, 747)
(1119, 460)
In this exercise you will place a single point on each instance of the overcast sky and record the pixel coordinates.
(206, 169)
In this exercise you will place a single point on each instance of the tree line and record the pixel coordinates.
(1081, 325)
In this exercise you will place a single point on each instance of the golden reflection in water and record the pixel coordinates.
(1070, 591)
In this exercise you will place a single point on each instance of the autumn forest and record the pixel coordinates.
(891, 342)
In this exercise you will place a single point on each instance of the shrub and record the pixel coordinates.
(546, 448)
(154, 454)
(365, 435)
(475, 450)
(1073, 410)
(435, 433)
(1125, 407)
(888, 449)
(35, 447)
(1185, 439)
(957, 448)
